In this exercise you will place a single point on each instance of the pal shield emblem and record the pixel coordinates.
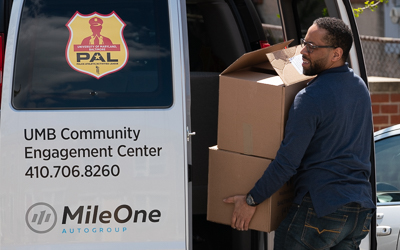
(96, 44)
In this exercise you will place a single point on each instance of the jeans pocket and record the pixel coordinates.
(365, 229)
(367, 223)
(321, 233)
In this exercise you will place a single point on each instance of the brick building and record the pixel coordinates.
(385, 97)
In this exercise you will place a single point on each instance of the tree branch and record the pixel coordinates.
(372, 5)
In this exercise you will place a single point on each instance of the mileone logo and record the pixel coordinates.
(121, 214)
(42, 218)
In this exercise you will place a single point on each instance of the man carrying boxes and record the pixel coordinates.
(325, 150)
(255, 96)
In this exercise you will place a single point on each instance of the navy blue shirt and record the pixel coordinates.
(327, 144)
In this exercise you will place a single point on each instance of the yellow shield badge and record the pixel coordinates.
(96, 44)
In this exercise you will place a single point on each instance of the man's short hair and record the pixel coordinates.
(339, 34)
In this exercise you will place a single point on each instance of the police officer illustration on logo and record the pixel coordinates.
(100, 53)
(96, 24)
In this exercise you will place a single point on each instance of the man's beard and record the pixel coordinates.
(315, 67)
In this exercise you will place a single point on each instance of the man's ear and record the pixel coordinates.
(337, 54)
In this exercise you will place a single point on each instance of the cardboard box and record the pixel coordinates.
(255, 96)
(231, 174)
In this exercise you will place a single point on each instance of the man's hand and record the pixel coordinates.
(242, 212)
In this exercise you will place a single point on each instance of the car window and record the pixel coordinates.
(93, 54)
(388, 169)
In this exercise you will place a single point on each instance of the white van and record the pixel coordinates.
(99, 101)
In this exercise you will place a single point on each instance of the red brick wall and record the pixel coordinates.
(385, 109)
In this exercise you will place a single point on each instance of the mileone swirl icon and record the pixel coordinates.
(41, 218)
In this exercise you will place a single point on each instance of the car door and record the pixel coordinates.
(387, 147)
(296, 17)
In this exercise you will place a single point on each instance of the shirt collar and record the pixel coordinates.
(343, 68)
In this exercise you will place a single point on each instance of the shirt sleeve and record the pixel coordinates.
(300, 128)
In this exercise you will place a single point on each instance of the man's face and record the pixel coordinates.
(320, 58)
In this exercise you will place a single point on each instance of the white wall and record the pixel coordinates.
(391, 29)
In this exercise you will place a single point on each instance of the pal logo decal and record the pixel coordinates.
(96, 44)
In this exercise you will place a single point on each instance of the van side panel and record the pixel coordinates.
(94, 178)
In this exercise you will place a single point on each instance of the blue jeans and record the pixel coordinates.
(341, 230)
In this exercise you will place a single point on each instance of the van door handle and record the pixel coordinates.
(383, 230)
(189, 134)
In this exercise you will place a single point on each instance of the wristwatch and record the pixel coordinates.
(250, 201)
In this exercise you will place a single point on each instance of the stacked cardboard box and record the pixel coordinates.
(255, 96)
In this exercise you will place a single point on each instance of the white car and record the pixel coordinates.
(387, 151)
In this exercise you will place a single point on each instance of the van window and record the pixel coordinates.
(308, 11)
(93, 54)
